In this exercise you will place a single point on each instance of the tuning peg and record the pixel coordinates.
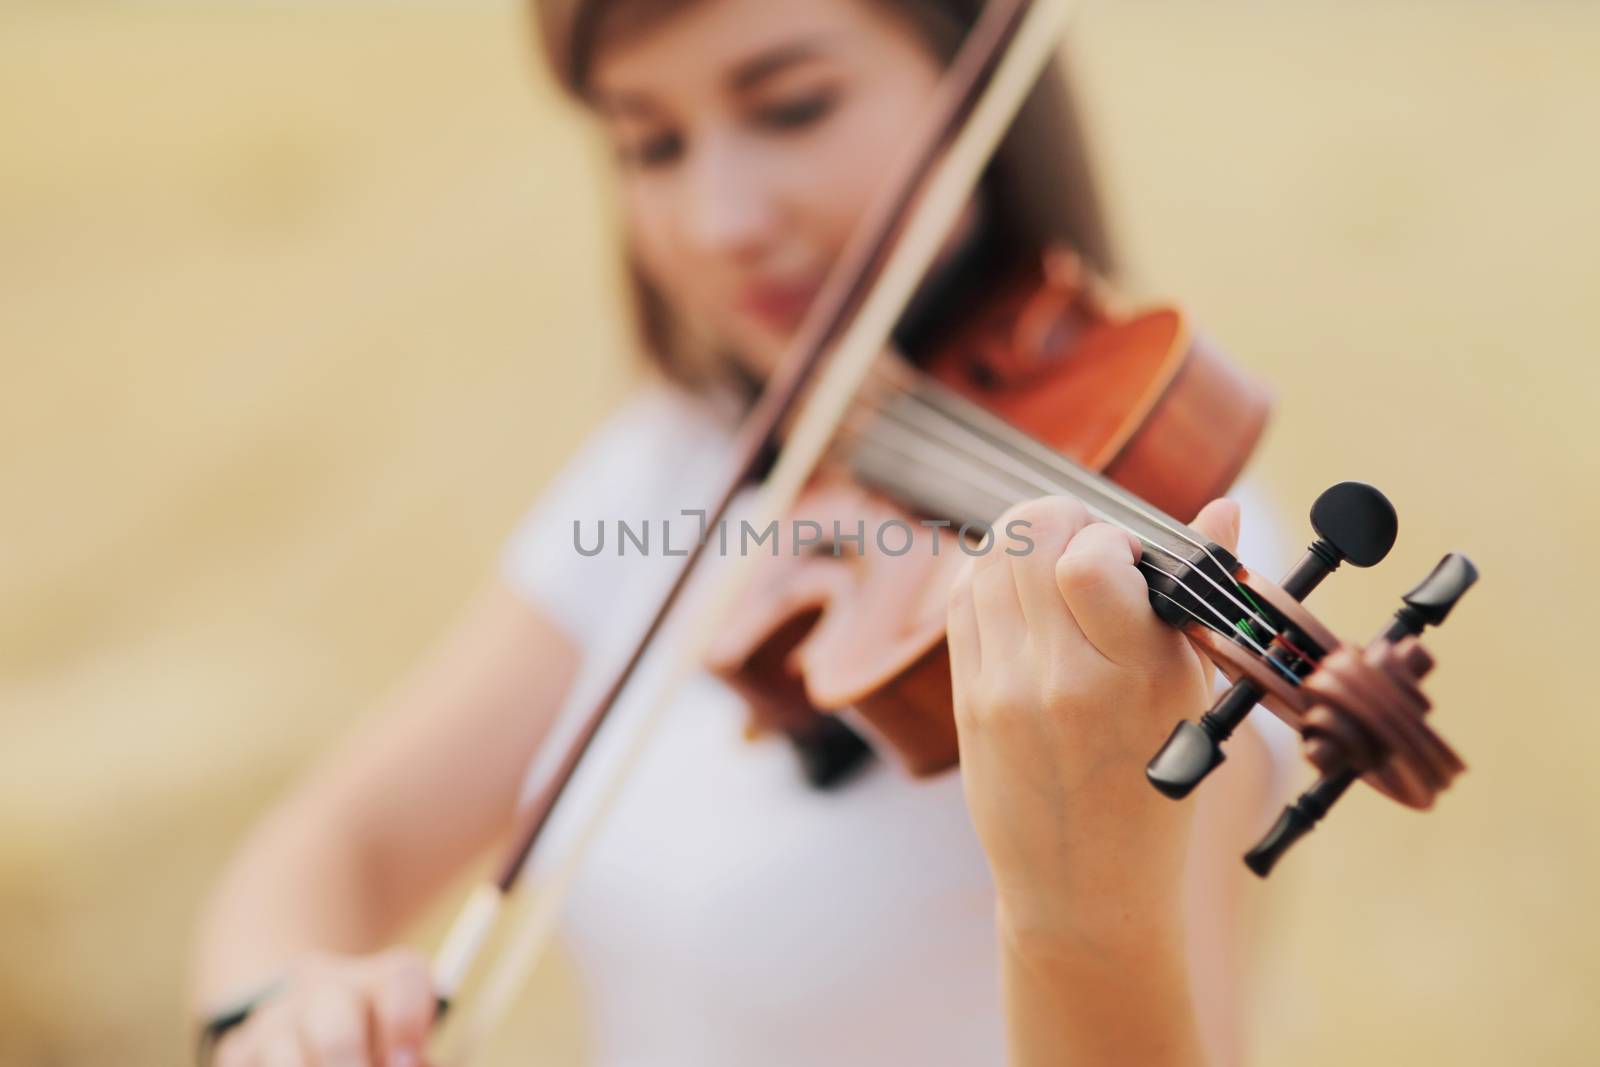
(1431, 602)
(1355, 523)
(1297, 820)
(1428, 604)
(1194, 749)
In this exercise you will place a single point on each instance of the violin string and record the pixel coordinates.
(1013, 444)
(1008, 464)
(978, 421)
(1226, 628)
(1289, 675)
(1037, 483)
(931, 485)
(1000, 436)
(1079, 479)
(1229, 628)
(953, 459)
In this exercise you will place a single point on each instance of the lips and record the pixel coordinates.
(778, 305)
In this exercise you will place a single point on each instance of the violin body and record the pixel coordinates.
(848, 628)
(1137, 396)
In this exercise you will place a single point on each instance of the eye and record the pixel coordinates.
(657, 150)
(797, 113)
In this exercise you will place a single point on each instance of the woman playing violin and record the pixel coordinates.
(1042, 906)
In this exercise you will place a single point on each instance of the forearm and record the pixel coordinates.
(390, 818)
(1105, 993)
(291, 890)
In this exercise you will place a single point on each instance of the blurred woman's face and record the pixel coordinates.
(751, 135)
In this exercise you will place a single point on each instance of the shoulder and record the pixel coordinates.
(656, 432)
(653, 456)
(659, 413)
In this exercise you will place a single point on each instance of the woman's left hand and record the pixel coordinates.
(1065, 684)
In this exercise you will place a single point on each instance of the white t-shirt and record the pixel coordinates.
(728, 913)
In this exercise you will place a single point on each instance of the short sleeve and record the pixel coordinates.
(655, 457)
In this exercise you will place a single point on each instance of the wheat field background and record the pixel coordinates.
(301, 303)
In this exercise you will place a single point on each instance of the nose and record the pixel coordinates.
(730, 209)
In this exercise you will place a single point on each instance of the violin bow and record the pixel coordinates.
(842, 336)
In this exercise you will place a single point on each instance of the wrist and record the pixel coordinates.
(1123, 860)
(1100, 924)
(220, 1023)
(1098, 993)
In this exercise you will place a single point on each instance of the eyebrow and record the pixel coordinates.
(746, 75)
(752, 72)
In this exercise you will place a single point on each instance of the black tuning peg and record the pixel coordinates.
(1297, 820)
(1194, 749)
(1429, 604)
(1355, 523)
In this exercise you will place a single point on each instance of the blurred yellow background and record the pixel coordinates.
(300, 304)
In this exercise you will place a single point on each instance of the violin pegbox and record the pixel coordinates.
(1360, 711)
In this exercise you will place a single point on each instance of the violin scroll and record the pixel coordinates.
(1428, 604)
(1355, 523)
(1359, 710)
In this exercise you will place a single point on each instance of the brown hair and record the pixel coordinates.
(1040, 186)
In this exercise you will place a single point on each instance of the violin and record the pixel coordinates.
(1044, 383)
(1049, 390)
(1047, 386)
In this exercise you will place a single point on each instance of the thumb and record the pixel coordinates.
(1219, 521)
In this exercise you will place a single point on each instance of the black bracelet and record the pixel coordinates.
(218, 1026)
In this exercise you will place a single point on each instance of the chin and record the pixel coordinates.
(759, 350)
